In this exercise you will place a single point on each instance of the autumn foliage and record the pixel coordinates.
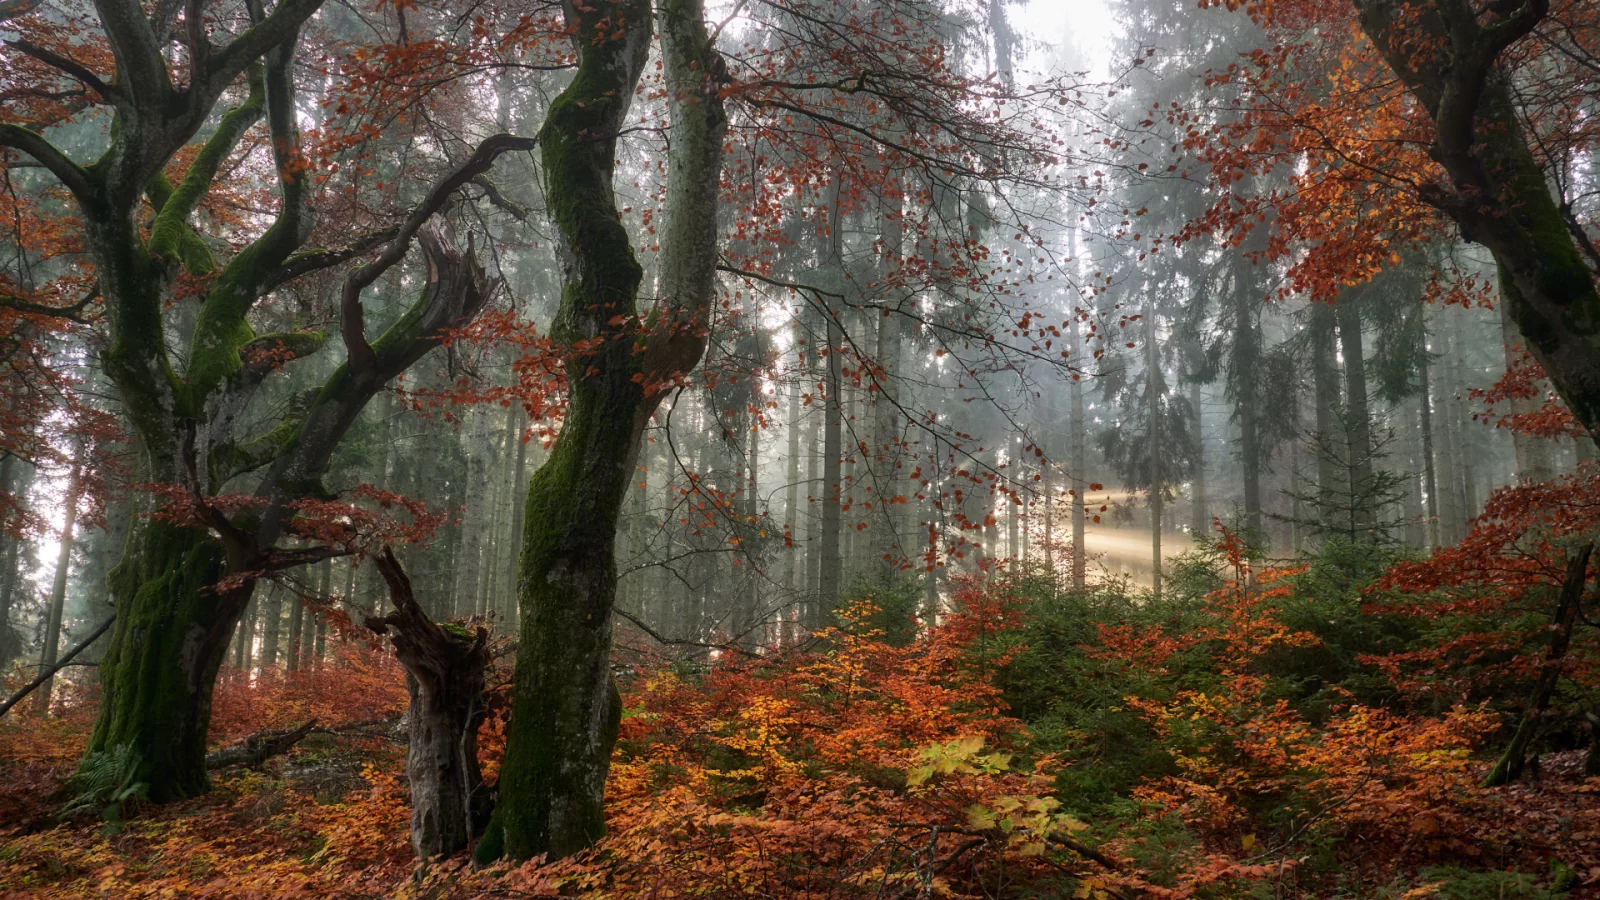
(868, 765)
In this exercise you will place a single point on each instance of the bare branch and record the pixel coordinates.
(353, 325)
(49, 671)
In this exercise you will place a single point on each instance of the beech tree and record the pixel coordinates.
(842, 106)
(187, 575)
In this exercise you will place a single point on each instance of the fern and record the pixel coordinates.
(107, 781)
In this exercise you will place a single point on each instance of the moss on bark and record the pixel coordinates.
(566, 707)
(170, 639)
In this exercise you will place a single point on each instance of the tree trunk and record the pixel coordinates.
(1199, 515)
(8, 562)
(512, 610)
(791, 499)
(1358, 418)
(297, 621)
(1567, 613)
(8, 587)
(1430, 482)
(566, 711)
(58, 590)
(830, 563)
(1534, 454)
(1152, 393)
(886, 554)
(170, 639)
(1325, 383)
(1246, 407)
(1080, 553)
(445, 676)
(272, 626)
(811, 613)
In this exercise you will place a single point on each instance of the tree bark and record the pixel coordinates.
(169, 641)
(1430, 481)
(1152, 393)
(1325, 384)
(565, 706)
(791, 502)
(1080, 553)
(1246, 407)
(1533, 453)
(1199, 514)
(829, 546)
(446, 670)
(297, 621)
(272, 627)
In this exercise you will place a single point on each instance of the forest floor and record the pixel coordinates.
(861, 769)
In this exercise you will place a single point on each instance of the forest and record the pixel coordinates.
(815, 449)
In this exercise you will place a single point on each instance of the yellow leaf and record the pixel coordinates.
(979, 818)
(1248, 841)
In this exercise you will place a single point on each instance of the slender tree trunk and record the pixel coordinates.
(1152, 392)
(1358, 418)
(566, 711)
(1567, 613)
(8, 561)
(297, 621)
(1415, 512)
(830, 562)
(1430, 482)
(58, 589)
(1460, 445)
(883, 547)
(512, 610)
(1080, 553)
(1047, 497)
(746, 623)
(791, 499)
(272, 627)
(1247, 405)
(1199, 516)
(1325, 384)
(930, 584)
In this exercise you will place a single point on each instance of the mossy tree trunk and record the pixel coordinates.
(565, 705)
(170, 639)
(1497, 193)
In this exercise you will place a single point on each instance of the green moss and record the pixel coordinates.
(170, 235)
(556, 760)
(171, 635)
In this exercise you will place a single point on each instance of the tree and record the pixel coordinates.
(187, 575)
(446, 668)
(566, 709)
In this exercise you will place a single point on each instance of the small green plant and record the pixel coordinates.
(107, 781)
